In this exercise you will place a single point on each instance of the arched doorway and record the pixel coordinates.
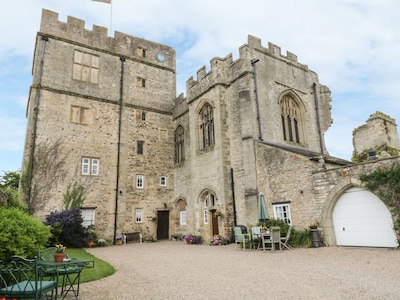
(361, 219)
(210, 220)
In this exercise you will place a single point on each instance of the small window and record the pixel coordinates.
(139, 215)
(205, 216)
(282, 212)
(140, 147)
(90, 166)
(95, 166)
(80, 115)
(163, 180)
(141, 52)
(87, 216)
(143, 116)
(139, 181)
(140, 82)
(183, 217)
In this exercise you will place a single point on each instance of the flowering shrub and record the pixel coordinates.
(60, 248)
(219, 240)
(192, 239)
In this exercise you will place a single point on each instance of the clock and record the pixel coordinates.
(160, 57)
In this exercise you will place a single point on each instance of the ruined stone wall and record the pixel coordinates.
(379, 130)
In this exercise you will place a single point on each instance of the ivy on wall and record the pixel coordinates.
(385, 183)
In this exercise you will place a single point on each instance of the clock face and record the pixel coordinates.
(160, 57)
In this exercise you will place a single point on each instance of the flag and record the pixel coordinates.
(104, 1)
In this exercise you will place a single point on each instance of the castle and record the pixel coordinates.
(103, 114)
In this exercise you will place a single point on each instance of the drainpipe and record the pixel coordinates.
(35, 120)
(253, 63)
(318, 120)
(121, 92)
(233, 199)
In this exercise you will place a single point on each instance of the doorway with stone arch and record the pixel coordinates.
(210, 220)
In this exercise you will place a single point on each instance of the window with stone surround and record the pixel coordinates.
(292, 119)
(86, 67)
(140, 181)
(80, 115)
(206, 127)
(140, 147)
(141, 52)
(88, 214)
(138, 215)
(163, 181)
(179, 144)
(181, 208)
(205, 216)
(282, 212)
(182, 218)
(140, 82)
(90, 166)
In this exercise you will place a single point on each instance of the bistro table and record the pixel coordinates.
(70, 270)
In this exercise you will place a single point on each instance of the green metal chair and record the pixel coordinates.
(255, 236)
(21, 278)
(285, 239)
(242, 239)
(275, 237)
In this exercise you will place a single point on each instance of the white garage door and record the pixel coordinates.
(361, 219)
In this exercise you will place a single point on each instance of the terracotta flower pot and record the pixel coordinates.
(59, 257)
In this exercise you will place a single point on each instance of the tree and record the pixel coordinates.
(386, 184)
(9, 183)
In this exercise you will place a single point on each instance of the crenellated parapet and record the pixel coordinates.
(121, 44)
(219, 73)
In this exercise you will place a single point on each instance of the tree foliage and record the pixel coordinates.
(386, 184)
(20, 233)
(9, 189)
(67, 228)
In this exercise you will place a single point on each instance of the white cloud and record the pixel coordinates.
(351, 44)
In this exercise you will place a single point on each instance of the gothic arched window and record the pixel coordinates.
(292, 120)
(206, 127)
(179, 144)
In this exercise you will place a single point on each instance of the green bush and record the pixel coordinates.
(21, 233)
(301, 238)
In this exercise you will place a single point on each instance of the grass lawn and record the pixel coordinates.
(101, 268)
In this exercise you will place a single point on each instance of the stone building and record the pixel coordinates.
(102, 112)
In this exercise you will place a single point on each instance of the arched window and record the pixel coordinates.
(206, 127)
(292, 120)
(179, 144)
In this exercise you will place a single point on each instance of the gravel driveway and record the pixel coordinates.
(174, 270)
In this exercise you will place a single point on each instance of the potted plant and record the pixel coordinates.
(59, 255)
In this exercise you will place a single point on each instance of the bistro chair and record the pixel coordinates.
(285, 240)
(242, 239)
(256, 236)
(275, 237)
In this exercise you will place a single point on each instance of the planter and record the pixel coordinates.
(90, 244)
(59, 257)
(315, 238)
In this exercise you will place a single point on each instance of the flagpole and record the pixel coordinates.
(111, 16)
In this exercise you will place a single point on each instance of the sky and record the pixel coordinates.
(353, 46)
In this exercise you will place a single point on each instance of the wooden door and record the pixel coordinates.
(163, 225)
(214, 221)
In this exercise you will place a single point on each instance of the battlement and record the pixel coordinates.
(121, 44)
(247, 52)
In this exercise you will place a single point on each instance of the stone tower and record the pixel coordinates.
(100, 115)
